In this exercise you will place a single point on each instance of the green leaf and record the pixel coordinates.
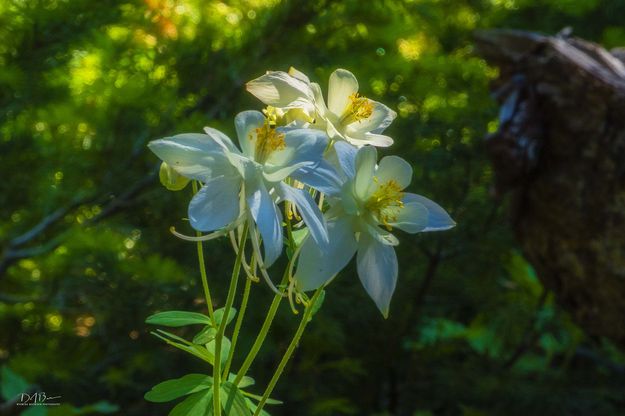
(253, 406)
(245, 380)
(225, 349)
(198, 404)
(12, 384)
(184, 345)
(317, 305)
(232, 400)
(172, 389)
(219, 314)
(298, 236)
(178, 318)
(257, 397)
(205, 335)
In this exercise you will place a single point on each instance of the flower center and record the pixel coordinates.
(358, 108)
(386, 202)
(268, 140)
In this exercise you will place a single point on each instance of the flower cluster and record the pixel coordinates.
(319, 160)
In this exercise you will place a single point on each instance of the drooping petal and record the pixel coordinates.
(394, 168)
(312, 216)
(315, 267)
(246, 124)
(279, 89)
(299, 75)
(366, 159)
(346, 155)
(216, 204)
(321, 177)
(378, 140)
(380, 118)
(342, 84)
(413, 217)
(377, 270)
(195, 156)
(268, 220)
(438, 219)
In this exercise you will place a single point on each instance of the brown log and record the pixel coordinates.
(560, 149)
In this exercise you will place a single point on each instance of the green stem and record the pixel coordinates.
(222, 325)
(289, 351)
(238, 323)
(260, 338)
(200, 255)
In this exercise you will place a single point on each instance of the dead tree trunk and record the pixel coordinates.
(560, 149)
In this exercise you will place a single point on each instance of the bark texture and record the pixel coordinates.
(560, 149)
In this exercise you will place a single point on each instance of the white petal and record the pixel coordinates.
(246, 124)
(299, 75)
(342, 84)
(346, 155)
(377, 122)
(315, 267)
(377, 270)
(394, 168)
(312, 216)
(304, 148)
(321, 177)
(281, 90)
(268, 219)
(195, 156)
(413, 217)
(221, 139)
(366, 159)
(378, 140)
(438, 218)
(320, 103)
(216, 204)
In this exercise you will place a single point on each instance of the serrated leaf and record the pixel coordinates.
(205, 335)
(178, 318)
(219, 314)
(197, 404)
(12, 384)
(232, 401)
(172, 389)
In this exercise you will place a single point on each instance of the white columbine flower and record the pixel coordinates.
(367, 205)
(249, 177)
(348, 115)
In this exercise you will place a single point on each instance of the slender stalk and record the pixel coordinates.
(289, 351)
(200, 255)
(260, 338)
(222, 325)
(238, 323)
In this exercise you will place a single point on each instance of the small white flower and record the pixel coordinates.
(348, 115)
(251, 177)
(368, 205)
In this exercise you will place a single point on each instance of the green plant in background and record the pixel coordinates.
(318, 161)
(85, 252)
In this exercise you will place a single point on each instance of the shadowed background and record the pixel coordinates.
(86, 256)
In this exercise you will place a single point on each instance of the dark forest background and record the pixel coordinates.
(86, 255)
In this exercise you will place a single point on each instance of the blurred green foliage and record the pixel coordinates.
(84, 85)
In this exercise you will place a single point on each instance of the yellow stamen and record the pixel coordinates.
(268, 140)
(358, 108)
(386, 202)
